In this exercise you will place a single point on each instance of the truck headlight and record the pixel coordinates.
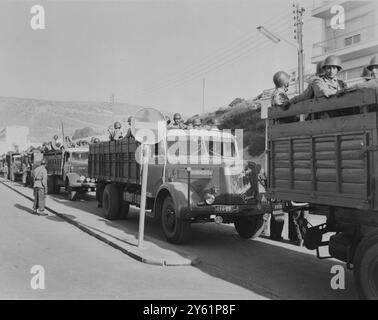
(93, 180)
(209, 198)
(88, 180)
(82, 178)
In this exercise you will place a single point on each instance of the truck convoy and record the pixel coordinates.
(330, 161)
(194, 176)
(68, 168)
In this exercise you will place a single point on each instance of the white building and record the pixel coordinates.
(355, 41)
(14, 138)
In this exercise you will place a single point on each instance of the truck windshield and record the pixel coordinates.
(187, 148)
(79, 156)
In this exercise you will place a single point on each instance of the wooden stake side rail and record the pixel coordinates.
(327, 161)
(114, 161)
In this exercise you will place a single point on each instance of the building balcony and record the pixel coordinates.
(351, 45)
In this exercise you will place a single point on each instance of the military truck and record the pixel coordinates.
(330, 161)
(193, 176)
(69, 169)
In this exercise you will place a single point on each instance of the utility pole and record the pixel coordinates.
(203, 95)
(112, 105)
(298, 18)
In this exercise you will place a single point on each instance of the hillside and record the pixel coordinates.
(241, 114)
(44, 117)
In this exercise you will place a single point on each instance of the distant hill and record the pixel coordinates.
(44, 117)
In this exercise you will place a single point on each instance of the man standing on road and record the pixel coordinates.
(40, 188)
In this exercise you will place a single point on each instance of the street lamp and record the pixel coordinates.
(299, 46)
(273, 37)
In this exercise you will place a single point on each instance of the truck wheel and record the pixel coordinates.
(110, 202)
(249, 226)
(366, 267)
(176, 230)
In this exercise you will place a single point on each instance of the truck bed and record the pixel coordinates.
(114, 161)
(327, 161)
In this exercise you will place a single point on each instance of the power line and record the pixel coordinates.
(225, 53)
(215, 65)
(195, 73)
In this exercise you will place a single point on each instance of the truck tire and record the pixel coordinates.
(249, 226)
(110, 202)
(176, 230)
(366, 267)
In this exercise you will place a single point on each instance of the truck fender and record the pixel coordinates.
(179, 193)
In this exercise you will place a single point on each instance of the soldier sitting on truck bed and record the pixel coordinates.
(279, 96)
(117, 133)
(325, 85)
(177, 122)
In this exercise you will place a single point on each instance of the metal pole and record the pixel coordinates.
(203, 95)
(142, 214)
(299, 22)
(266, 145)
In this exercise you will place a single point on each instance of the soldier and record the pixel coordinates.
(117, 133)
(325, 85)
(281, 81)
(168, 119)
(197, 123)
(366, 74)
(215, 124)
(129, 133)
(177, 122)
(40, 188)
(56, 144)
(373, 67)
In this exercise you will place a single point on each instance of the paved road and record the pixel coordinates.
(79, 266)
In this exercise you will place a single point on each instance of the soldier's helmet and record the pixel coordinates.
(117, 125)
(319, 68)
(366, 73)
(177, 116)
(197, 122)
(281, 78)
(56, 137)
(373, 62)
(129, 119)
(332, 61)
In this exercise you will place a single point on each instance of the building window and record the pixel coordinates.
(352, 40)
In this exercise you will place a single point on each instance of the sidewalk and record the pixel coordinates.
(123, 239)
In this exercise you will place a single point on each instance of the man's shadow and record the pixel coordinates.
(23, 208)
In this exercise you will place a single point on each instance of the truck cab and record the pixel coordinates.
(68, 168)
(194, 176)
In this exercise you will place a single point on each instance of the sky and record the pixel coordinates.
(157, 53)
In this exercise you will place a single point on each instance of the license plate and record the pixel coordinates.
(277, 207)
(226, 209)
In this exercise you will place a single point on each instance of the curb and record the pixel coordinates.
(131, 253)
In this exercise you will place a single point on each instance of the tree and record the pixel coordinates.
(83, 133)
